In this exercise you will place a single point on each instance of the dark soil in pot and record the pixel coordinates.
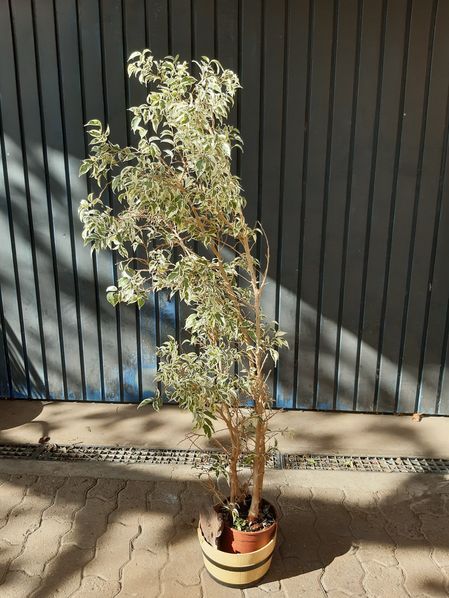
(250, 538)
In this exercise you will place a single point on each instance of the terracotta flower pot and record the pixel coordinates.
(237, 542)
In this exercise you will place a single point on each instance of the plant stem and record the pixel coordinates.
(234, 484)
(258, 471)
(260, 390)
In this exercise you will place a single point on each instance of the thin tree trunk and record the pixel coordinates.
(233, 477)
(258, 471)
(234, 484)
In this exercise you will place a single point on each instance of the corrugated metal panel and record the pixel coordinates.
(345, 115)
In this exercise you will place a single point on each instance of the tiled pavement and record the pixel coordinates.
(104, 531)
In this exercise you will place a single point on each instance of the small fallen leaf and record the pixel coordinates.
(416, 417)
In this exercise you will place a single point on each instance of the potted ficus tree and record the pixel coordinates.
(180, 228)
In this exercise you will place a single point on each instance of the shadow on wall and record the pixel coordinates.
(69, 347)
(20, 381)
(55, 79)
(53, 295)
(72, 339)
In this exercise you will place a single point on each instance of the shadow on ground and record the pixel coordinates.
(331, 533)
(13, 415)
(361, 531)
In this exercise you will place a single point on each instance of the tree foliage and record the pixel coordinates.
(180, 228)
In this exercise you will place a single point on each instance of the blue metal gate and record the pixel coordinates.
(344, 113)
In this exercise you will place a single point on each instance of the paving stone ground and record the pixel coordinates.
(93, 532)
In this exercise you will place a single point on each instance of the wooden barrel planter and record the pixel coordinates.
(236, 570)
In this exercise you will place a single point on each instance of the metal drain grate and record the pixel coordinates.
(196, 458)
(113, 454)
(102, 453)
(376, 464)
